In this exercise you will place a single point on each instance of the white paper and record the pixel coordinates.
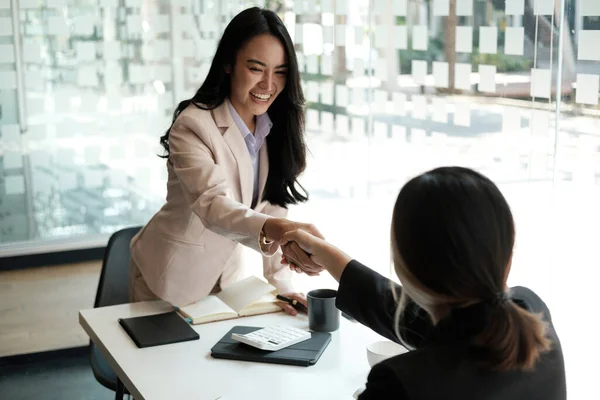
(419, 71)
(341, 95)
(34, 79)
(589, 45)
(326, 6)
(326, 65)
(12, 160)
(87, 76)
(399, 101)
(134, 24)
(380, 100)
(488, 40)
(359, 35)
(8, 79)
(420, 37)
(341, 7)
(381, 70)
(400, 37)
(340, 35)
(4, 4)
(440, 74)
(511, 120)
(312, 64)
(359, 67)
(57, 26)
(359, 127)
(328, 34)
(543, 7)
(439, 110)
(112, 50)
(160, 24)
(419, 104)
(327, 93)
(589, 8)
(514, 41)
(14, 184)
(516, 7)
(399, 7)
(313, 92)
(441, 8)
(540, 83)
(464, 8)
(381, 36)
(341, 124)
(464, 39)
(462, 76)
(540, 123)
(10, 133)
(418, 136)
(109, 3)
(6, 26)
(24, 4)
(113, 74)
(7, 54)
(83, 25)
(380, 7)
(358, 96)
(487, 78)
(380, 130)
(86, 51)
(462, 113)
(327, 122)
(588, 87)
(32, 51)
(56, 3)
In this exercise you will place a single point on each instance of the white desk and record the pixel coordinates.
(187, 370)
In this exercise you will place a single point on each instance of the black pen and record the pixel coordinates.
(294, 303)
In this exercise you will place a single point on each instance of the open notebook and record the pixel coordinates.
(250, 296)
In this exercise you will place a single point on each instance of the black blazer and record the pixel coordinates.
(443, 365)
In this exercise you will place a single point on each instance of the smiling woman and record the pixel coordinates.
(234, 153)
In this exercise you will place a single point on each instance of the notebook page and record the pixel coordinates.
(208, 306)
(245, 292)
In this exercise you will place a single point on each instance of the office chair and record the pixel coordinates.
(113, 289)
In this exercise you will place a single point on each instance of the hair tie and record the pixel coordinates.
(499, 299)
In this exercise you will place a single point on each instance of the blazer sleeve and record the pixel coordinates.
(370, 298)
(205, 186)
(277, 274)
(383, 383)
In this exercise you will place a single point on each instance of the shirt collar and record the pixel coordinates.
(263, 123)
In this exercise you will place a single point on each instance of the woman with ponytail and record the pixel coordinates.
(471, 336)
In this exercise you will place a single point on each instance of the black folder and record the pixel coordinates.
(304, 354)
(158, 329)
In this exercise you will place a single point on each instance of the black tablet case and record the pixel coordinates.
(305, 353)
(158, 329)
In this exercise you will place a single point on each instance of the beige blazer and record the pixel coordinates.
(193, 242)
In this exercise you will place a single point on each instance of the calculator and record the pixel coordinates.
(272, 338)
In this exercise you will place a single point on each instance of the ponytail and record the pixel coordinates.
(514, 338)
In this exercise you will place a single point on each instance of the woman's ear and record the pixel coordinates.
(227, 69)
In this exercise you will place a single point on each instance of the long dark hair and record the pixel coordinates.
(287, 148)
(453, 235)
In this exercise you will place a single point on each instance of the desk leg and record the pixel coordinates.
(120, 390)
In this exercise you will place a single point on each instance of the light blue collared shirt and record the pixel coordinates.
(253, 142)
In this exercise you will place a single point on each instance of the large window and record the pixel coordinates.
(394, 87)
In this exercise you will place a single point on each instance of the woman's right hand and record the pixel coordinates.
(321, 253)
(275, 228)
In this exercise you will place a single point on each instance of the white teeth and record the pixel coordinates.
(261, 96)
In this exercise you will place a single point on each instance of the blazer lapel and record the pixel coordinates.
(263, 170)
(236, 143)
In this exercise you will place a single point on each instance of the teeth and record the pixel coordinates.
(261, 96)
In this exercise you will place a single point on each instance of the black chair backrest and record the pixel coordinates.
(113, 287)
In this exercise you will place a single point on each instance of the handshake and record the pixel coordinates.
(304, 248)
